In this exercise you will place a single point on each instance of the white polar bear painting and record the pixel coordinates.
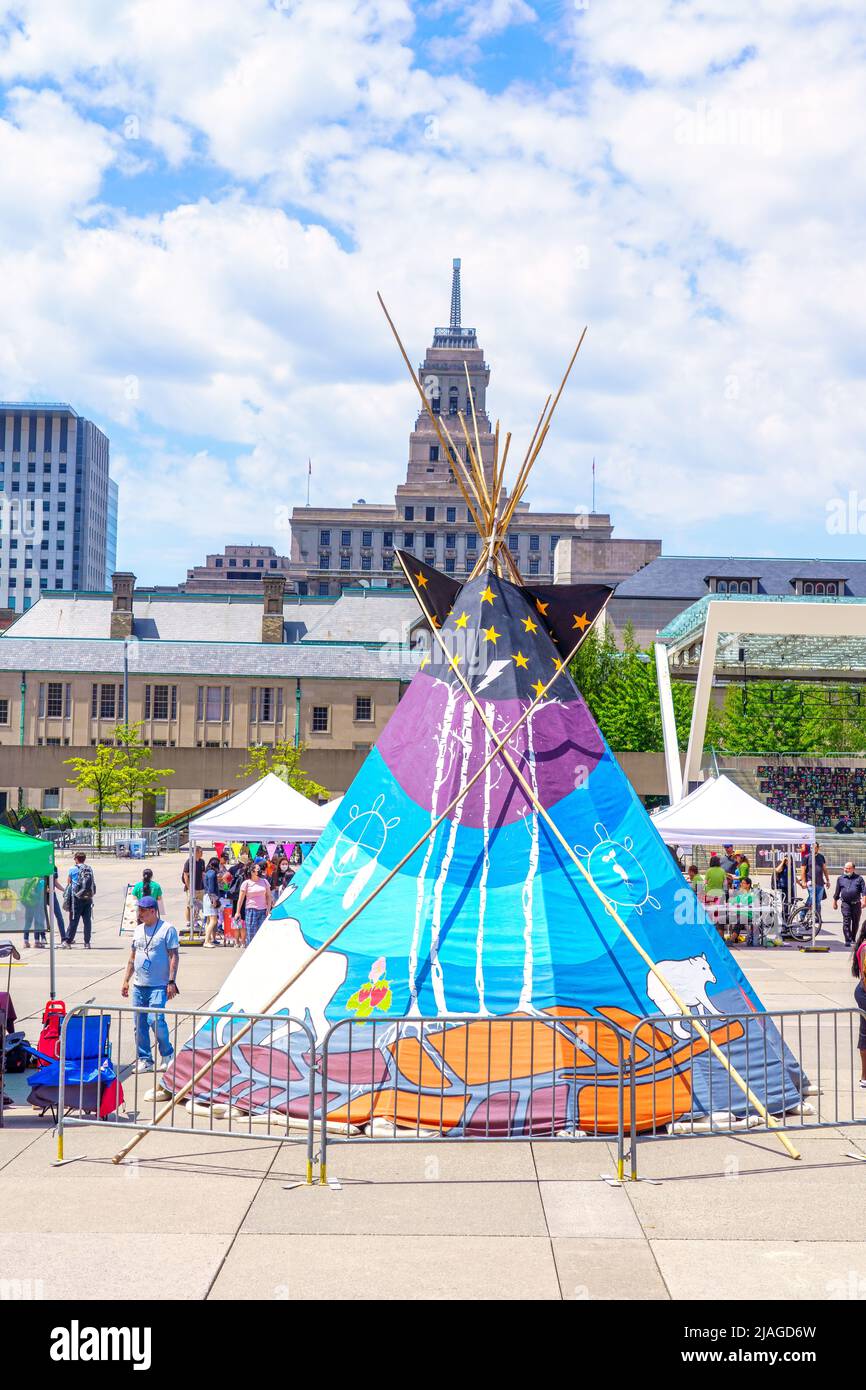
(690, 978)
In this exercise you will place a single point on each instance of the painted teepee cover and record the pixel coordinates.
(491, 918)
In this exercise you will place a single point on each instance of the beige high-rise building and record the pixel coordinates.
(332, 546)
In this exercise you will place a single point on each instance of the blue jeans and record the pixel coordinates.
(253, 916)
(819, 898)
(151, 997)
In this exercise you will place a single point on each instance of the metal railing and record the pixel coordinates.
(112, 838)
(816, 1047)
(503, 1079)
(579, 1077)
(251, 1091)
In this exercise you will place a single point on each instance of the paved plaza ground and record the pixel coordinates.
(197, 1217)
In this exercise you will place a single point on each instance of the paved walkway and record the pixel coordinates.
(222, 1219)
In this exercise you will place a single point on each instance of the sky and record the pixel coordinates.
(198, 203)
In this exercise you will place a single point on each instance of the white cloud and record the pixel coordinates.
(704, 218)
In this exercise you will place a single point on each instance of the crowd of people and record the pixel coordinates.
(818, 795)
(237, 892)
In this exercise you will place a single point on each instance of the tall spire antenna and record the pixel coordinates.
(455, 295)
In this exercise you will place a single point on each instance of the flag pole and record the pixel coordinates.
(528, 791)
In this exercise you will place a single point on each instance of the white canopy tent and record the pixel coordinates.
(719, 812)
(269, 810)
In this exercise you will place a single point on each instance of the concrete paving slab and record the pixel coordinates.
(807, 1270)
(329, 1267)
(607, 1269)
(780, 1200)
(588, 1209)
(582, 1159)
(95, 1196)
(119, 1266)
(438, 1160)
(399, 1208)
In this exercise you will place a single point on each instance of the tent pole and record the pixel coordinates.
(49, 927)
(814, 895)
(528, 791)
(498, 745)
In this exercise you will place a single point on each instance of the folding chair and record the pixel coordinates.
(90, 1078)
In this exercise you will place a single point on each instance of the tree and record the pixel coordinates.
(100, 777)
(137, 777)
(117, 778)
(283, 759)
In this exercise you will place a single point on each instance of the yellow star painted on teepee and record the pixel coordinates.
(425, 661)
(530, 625)
(538, 688)
(581, 622)
(435, 621)
(557, 663)
(491, 634)
(421, 579)
(542, 607)
(488, 595)
(462, 620)
(456, 659)
(520, 660)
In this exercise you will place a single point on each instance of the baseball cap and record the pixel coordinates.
(147, 901)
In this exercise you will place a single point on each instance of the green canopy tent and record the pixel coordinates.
(23, 856)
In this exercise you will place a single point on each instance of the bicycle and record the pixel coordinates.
(798, 919)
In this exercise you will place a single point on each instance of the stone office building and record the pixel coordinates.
(207, 675)
(335, 545)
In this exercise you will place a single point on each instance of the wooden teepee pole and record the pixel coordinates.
(529, 792)
(326, 945)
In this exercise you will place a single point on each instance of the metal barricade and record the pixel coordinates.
(819, 1044)
(499, 1079)
(253, 1087)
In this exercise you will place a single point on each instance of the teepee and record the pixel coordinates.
(491, 860)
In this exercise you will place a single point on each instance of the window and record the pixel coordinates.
(160, 702)
(387, 538)
(819, 588)
(512, 541)
(408, 539)
(366, 562)
(366, 538)
(321, 719)
(554, 541)
(808, 588)
(451, 515)
(534, 543)
(55, 700)
(345, 538)
(721, 586)
(408, 513)
(209, 793)
(450, 540)
(452, 400)
(213, 702)
(346, 562)
(533, 564)
(107, 702)
(218, 562)
(266, 704)
(832, 590)
(429, 540)
(429, 513)
(449, 564)
(363, 709)
(324, 588)
(434, 453)
(227, 702)
(324, 538)
(325, 561)
(472, 540)
(387, 562)
(4, 711)
(51, 799)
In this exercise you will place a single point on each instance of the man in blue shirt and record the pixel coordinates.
(152, 968)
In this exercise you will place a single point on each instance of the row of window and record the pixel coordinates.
(233, 563)
(214, 703)
(450, 540)
(62, 421)
(828, 588)
(31, 467)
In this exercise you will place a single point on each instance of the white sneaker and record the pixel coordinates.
(164, 1063)
(863, 1085)
(142, 1065)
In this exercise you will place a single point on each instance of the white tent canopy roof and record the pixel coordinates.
(267, 810)
(720, 813)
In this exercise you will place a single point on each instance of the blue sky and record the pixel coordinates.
(200, 202)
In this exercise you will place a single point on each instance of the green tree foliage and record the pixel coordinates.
(283, 759)
(621, 690)
(793, 717)
(117, 778)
